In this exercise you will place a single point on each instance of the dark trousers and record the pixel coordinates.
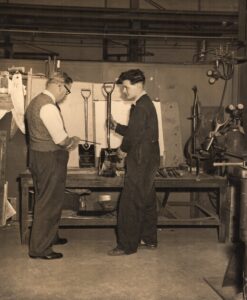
(137, 214)
(49, 170)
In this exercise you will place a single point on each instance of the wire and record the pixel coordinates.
(155, 4)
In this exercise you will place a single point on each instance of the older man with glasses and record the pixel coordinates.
(49, 144)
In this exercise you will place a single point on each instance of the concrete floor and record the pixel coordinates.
(175, 271)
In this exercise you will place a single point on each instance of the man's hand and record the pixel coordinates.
(113, 123)
(70, 143)
(120, 154)
(74, 141)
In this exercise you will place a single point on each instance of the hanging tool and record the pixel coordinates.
(108, 158)
(195, 118)
(86, 150)
(213, 133)
(191, 148)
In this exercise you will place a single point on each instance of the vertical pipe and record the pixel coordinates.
(243, 226)
(199, 5)
(242, 24)
(243, 210)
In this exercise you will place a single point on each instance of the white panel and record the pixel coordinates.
(38, 85)
(173, 155)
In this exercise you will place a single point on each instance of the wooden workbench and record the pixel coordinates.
(76, 178)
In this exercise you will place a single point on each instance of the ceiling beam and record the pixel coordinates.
(109, 14)
(133, 25)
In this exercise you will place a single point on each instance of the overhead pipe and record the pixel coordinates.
(118, 35)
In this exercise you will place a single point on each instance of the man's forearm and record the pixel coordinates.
(121, 129)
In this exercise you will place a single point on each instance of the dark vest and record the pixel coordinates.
(39, 137)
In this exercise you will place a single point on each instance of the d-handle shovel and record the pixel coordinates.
(86, 93)
(108, 157)
(86, 150)
(108, 87)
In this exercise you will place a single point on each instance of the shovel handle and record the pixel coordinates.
(86, 93)
(108, 88)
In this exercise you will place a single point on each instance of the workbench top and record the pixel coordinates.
(90, 178)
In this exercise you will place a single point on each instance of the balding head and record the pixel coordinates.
(59, 83)
(59, 77)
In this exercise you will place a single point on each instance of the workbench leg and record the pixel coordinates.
(24, 231)
(222, 214)
(194, 199)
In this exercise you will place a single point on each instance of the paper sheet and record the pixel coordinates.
(17, 93)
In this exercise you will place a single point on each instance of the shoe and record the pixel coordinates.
(116, 252)
(52, 255)
(60, 241)
(149, 246)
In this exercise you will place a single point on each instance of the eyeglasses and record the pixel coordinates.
(68, 91)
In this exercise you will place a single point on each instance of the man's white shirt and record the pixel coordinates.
(52, 120)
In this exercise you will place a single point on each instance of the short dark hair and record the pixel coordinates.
(133, 75)
(59, 77)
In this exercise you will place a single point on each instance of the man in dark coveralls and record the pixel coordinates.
(137, 215)
(49, 144)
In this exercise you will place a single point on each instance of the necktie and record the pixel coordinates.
(58, 107)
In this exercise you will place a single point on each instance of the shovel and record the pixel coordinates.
(86, 150)
(108, 158)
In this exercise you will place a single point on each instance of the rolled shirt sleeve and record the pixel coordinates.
(52, 120)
